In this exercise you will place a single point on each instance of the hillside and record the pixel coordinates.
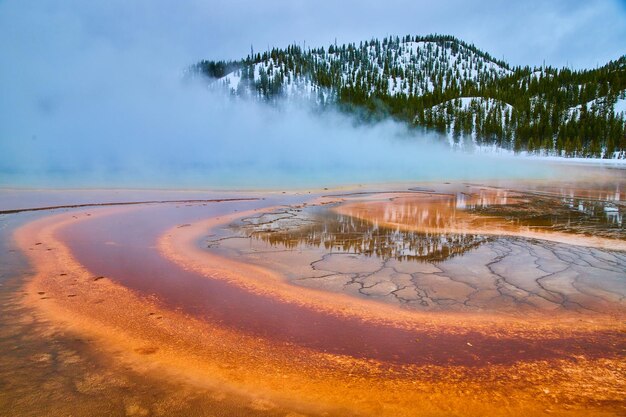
(442, 83)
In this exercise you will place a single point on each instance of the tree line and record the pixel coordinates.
(423, 80)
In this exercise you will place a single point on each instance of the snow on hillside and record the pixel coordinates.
(602, 103)
(620, 105)
(537, 109)
(418, 68)
(468, 103)
(617, 158)
(294, 86)
(467, 108)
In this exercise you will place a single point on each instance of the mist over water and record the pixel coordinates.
(88, 105)
(176, 135)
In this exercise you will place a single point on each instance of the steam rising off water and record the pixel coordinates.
(179, 135)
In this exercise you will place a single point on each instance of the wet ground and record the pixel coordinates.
(444, 250)
(480, 299)
(47, 370)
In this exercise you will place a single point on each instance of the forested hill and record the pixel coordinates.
(442, 83)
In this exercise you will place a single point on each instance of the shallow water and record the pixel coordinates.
(420, 248)
(110, 246)
(446, 249)
(46, 370)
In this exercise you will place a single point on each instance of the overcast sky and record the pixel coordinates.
(97, 83)
(575, 32)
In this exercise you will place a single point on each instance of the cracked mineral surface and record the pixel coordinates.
(446, 251)
(433, 299)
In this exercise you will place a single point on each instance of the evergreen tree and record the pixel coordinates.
(421, 79)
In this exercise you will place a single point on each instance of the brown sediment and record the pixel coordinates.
(342, 355)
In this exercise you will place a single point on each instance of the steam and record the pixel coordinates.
(83, 108)
(177, 135)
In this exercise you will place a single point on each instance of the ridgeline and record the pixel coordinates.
(442, 83)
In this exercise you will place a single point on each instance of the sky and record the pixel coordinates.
(580, 33)
(90, 89)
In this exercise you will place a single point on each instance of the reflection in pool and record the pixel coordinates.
(338, 233)
(442, 298)
(480, 249)
(433, 226)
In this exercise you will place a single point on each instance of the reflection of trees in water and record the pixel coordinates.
(588, 216)
(337, 233)
(603, 212)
